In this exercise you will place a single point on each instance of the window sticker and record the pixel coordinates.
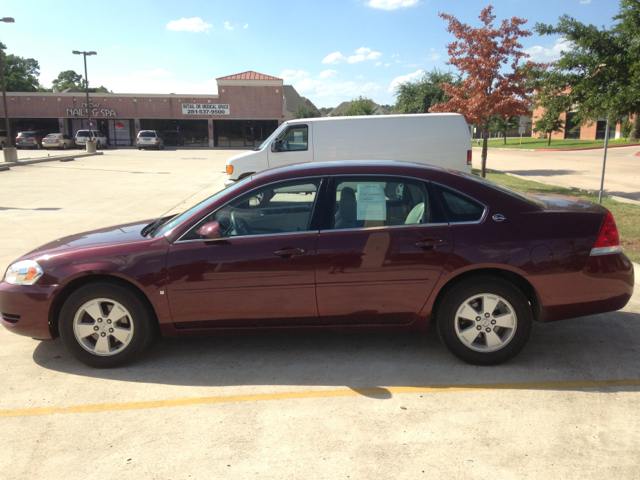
(372, 204)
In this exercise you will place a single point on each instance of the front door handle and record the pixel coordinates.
(432, 243)
(290, 252)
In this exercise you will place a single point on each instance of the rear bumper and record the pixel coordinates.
(605, 285)
(24, 309)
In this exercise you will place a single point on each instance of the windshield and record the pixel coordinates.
(266, 142)
(178, 219)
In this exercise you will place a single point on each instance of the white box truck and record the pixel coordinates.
(441, 139)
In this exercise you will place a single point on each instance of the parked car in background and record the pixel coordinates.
(83, 136)
(61, 141)
(334, 246)
(149, 139)
(440, 139)
(4, 140)
(30, 139)
(173, 138)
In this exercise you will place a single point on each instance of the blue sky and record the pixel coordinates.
(330, 50)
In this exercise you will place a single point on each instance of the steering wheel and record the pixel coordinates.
(240, 225)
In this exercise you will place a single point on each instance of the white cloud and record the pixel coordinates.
(307, 85)
(541, 54)
(226, 26)
(378, 64)
(405, 78)
(395, 55)
(387, 64)
(158, 72)
(361, 55)
(392, 4)
(194, 24)
(434, 56)
(246, 25)
(328, 74)
(585, 2)
(359, 77)
(292, 75)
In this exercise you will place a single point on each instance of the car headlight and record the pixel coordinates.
(25, 272)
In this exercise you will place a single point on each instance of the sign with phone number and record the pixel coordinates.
(205, 109)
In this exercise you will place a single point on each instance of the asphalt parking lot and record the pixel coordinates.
(295, 406)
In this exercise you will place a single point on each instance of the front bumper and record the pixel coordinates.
(24, 309)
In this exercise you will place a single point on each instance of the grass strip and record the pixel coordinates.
(543, 143)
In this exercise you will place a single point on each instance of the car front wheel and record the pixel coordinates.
(104, 325)
(485, 321)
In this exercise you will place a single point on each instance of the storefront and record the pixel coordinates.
(246, 110)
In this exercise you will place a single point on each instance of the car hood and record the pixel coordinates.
(119, 234)
(567, 203)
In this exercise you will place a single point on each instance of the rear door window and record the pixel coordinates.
(371, 201)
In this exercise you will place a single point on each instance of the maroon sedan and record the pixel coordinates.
(348, 246)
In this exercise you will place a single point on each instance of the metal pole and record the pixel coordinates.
(4, 101)
(604, 160)
(86, 82)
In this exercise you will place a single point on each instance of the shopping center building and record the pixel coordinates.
(246, 110)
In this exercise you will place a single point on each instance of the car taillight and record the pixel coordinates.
(608, 239)
(468, 157)
(157, 139)
(32, 138)
(57, 140)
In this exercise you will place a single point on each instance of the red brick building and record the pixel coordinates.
(593, 131)
(246, 110)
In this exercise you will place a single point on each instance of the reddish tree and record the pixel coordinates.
(495, 84)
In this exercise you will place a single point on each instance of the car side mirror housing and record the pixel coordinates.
(275, 147)
(210, 231)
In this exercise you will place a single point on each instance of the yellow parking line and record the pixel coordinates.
(178, 402)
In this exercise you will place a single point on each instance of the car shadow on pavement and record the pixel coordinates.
(599, 347)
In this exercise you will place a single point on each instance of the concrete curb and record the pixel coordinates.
(56, 158)
(586, 190)
(558, 149)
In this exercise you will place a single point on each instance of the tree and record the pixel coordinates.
(360, 106)
(600, 70)
(69, 79)
(420, 96)
(495, 83)
(304, 111)
(549, 122)
(20, 74)
(326, 110)
(498, 124)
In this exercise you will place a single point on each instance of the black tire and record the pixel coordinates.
(64, 146)
(447, 318)
(142, 320)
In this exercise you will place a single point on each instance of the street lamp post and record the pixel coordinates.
(10, 154)
(86, 81)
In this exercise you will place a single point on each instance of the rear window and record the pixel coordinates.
(459, 207)
(26, 134)
(147, 134)
(83, 133)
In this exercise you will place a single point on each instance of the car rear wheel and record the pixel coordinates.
(485, 321)
(105, 325)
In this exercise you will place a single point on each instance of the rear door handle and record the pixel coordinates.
(290, 252)
(432, 243)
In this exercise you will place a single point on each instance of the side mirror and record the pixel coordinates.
(210, 231)
(275, 146)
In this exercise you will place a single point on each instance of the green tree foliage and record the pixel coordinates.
(420, 96)
(600, 70)
(71, 79)
(498, 124)
(20, 74)
(360, 106)
(304, 111)
(549, 123)
(326, 110)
